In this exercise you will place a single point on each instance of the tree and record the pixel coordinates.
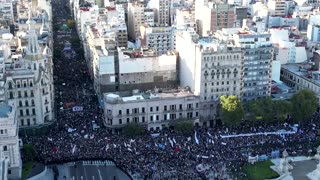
(29, 152)
(184, 127)
(70, 23)
(133, 129)
(304, 104)
(232, 110)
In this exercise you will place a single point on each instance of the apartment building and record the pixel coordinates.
(277, 8)
(11, 164)
(149, 17)
(136, 17)
(155, 110)
(258, 56)
(159, 38)
(162, 10)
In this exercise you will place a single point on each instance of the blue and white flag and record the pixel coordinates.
(170, 142)
(174, 140)
(209, 134)
(162, 146)
(196, 138)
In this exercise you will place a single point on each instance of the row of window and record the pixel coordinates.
(28, 122)
(171, 116)
(11, 94)
(156, 108)
(18, 84)
(3, 131)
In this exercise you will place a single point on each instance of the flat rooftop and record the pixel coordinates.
(115, 98)
(303, 70)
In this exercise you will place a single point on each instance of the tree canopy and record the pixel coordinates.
(133, 129)
(232, 110)
(184, 127)
(304, 104)
(29, 152)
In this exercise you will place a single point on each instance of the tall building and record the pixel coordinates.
(29, 80)
(214, 16)
(159, 38)
(258, 56)
(210, 69)
(277, 8)
(10, 159)
(164, 12)
(135, 18)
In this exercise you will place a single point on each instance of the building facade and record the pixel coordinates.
(258, 56)
(11, 163)
(136, 17)
(159, 38)
(154, 110)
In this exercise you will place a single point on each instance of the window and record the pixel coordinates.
(27, 103)
(5, 148)
(32, 93)
(1, 131)
(128, 111)
(128, 120)
(32, 102)
(157, 108)
(28, 122)
(24, 84)
(27, 112)
(143, 119)
(21, 112)
(165, 108)
(143, 110)
(11, 95)
(120, 121)
(197, 105)
(197, 114)
(19, 94)
(22, 122)
(31, 84)
(151, 118)
(20, 103)
(157, 117)
(180, 106)
(151, 109)
(120, 112)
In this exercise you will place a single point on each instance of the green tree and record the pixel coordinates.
(304, 104)
(70, 23)
(232, 110)
(133, 129)
(184, 127)
(29, 152)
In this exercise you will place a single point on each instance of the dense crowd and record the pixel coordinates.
(162, 155)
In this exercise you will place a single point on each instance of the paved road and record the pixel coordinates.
(302, 168)
(95, 172)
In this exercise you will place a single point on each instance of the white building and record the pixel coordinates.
(163, 12)
(11, 164)
(277, 7)
(313, 31)
(29, 79)
(277, 21)
(159, 38)
(153, 109)
(149, 17)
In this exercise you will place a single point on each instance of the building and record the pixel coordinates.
(162, 9)
(301, 76)
(210, 68)
(136, 17)
(277, 8)
(241, 13)
(211, 17)
(149, 17)
(258, 56)
(286, 21)
(185, 18)
(11, 164)
(155, 110)
(29, 77)
(159, 38)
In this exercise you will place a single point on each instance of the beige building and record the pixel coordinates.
(11, 164)
(153, 109)
(277, 7)
(136, 17)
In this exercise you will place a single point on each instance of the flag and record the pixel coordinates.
(209, 134)
(189, 138)
(132, 141)
(162, 146)
(174, 141)
(196, 138)
(125, 145)
(171, 142)
(74, 149)
(115, 146)
(129, 149)
(49, 139)
(107, 147)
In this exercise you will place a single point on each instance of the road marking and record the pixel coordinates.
(99, 174)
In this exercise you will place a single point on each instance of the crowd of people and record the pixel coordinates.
(159, 155)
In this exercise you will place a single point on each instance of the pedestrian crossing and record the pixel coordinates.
(108, 163)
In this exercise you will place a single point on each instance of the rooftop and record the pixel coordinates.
(304, 70)
(146, 96)
(5, 110)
